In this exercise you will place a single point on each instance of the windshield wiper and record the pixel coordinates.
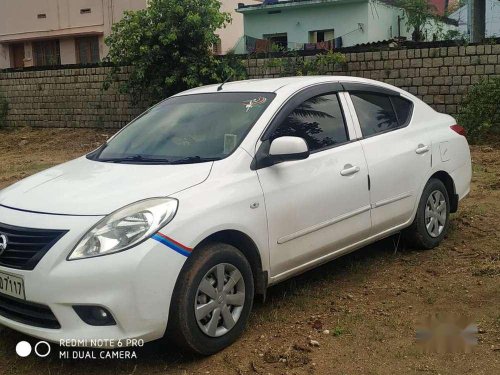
(192, 159)
(139, 159)
(136, 159)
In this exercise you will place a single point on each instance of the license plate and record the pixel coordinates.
(11, 285)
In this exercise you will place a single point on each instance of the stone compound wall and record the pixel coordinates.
(66, 97)
(439, 76)
(73, 96)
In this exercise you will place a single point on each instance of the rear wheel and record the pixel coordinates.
(213, 299)
(432, 219)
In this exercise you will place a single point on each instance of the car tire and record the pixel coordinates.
(198, 287)
(432, 220)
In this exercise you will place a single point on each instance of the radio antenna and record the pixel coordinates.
(223, 83)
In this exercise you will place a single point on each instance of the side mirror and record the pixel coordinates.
(288, 148)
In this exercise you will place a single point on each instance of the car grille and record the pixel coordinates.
(28, 313)
(26, 246)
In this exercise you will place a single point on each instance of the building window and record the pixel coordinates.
(319, 36)
(278, 40)
(17, 55)
(46, 53)
(87, 50)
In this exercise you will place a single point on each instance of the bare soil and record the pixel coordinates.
(370, 301)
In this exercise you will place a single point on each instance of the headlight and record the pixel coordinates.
(125, 228)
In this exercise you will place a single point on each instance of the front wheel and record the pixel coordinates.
(213, 299)
(432, 219)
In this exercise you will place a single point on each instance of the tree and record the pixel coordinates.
(169, 47)
(419, 14)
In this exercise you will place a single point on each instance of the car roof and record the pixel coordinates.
(289, 84)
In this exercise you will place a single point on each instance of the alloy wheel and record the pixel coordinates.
(219, 300)
(435, 213)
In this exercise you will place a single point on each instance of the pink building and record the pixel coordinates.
(445, 7)
(55, 32)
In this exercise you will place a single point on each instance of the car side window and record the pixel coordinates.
(403, 109)
(318, 120)
(375, 113)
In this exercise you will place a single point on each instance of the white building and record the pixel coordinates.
(293, 23)
(492, 19)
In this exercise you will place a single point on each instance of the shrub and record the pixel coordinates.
(169, 47)
(292, 64)
(479, 112)
(4, 108)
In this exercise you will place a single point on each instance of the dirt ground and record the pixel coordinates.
(370, 301)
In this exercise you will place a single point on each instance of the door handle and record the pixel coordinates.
(422, 149)
(349, 170)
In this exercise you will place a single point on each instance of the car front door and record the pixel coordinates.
(320, 204)
(397, 153)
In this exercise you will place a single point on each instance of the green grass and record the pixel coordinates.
(337, 331)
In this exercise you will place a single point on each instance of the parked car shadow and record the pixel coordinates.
(162, 354)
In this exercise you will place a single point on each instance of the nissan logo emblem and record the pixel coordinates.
(3, 243)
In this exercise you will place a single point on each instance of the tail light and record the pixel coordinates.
(459, 129)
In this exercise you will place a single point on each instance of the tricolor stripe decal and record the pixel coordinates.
(174, 245)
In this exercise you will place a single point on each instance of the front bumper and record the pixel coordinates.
(135, 285)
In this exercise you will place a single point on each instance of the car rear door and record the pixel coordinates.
(397, 152)
(321, 204)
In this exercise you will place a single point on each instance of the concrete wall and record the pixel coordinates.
(438, 76)
(74, 97)
(65, 98)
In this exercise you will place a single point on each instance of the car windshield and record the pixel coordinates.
(186, 129)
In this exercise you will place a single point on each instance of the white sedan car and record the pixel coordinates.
(172, 227)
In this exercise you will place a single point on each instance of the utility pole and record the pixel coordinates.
(477, 20)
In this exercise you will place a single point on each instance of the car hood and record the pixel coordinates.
(86, 187)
